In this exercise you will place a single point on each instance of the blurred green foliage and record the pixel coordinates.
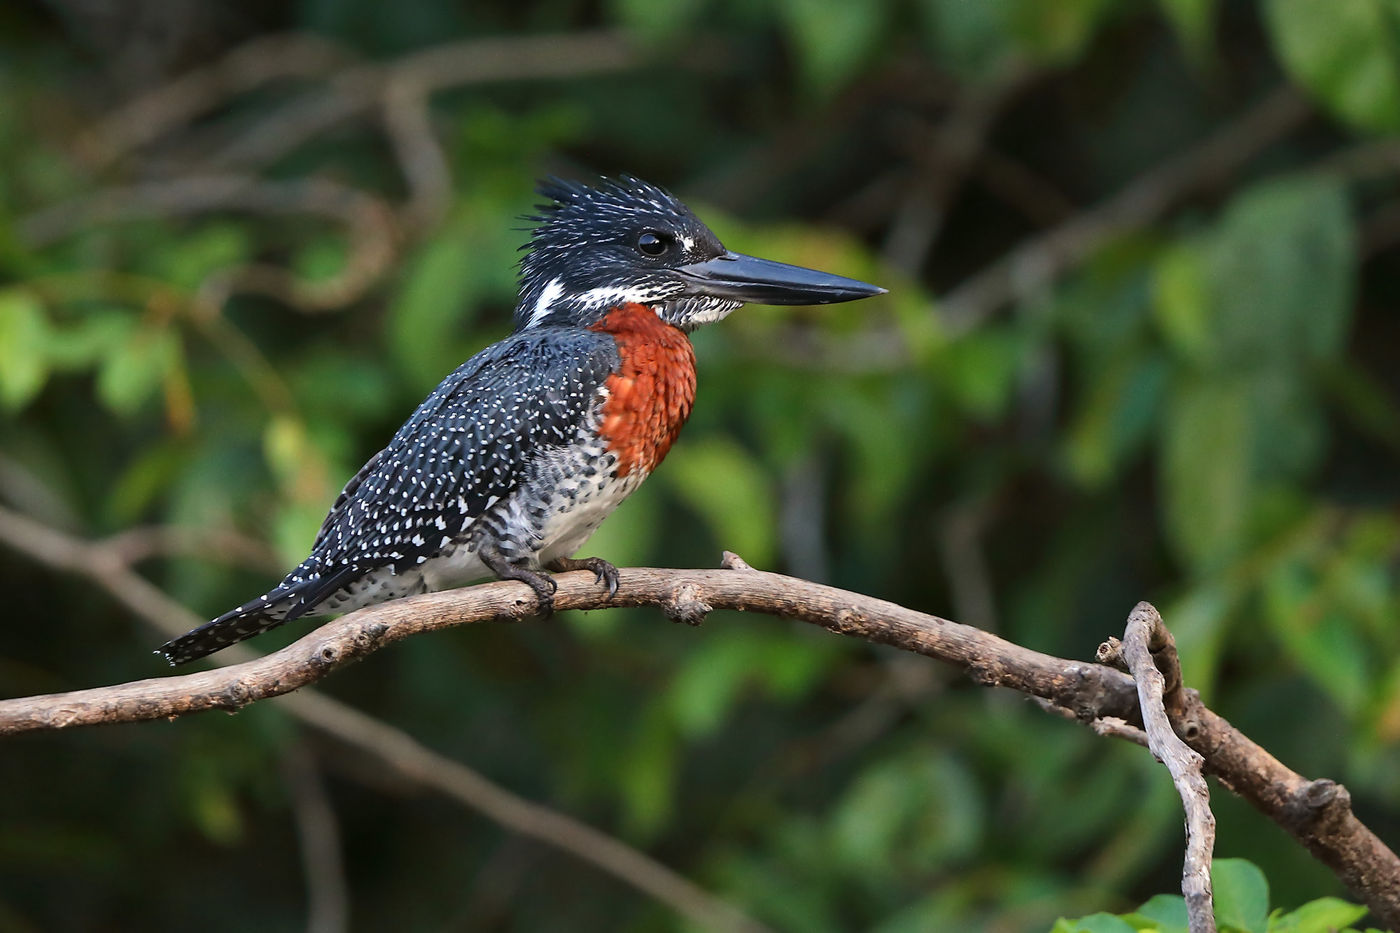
(1204, 412)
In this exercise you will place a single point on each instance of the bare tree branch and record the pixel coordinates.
(1144, 639)
(267, 59)
(226, 545)
(351, 87)
(944, 155)
(362, 88)
(685, 595)
(408, 124)
(327, 893)
(392, 747)
(1317, 813)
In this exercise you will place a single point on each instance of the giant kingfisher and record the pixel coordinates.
(510, 465)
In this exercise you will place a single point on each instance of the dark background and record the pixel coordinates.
(1141, 342)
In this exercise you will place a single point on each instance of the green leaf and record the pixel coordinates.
(713, 677)
(970, 38)
(86, 341)
(216, 813)
(286, 446)
(1364, 400)
(1241, 895)
(729, 488)
(135, 367)
(191, 258)
(145, 478)
(883, 462)
(981, 369)
(433, 301)
(979, 39)
(304, 478)
(832, 37)
(708, 684)
(1344, 52)
(322, 258)
(1322, 640)
(1166, 910)
(210, 800)
(1117, 416)
(1282, 270)
(1094, 923)
(23, 335)
(657, 21)
(1324, 915)
(1200, 618)
(649, 773)
(1194, 21)
(919, 810)
(1289, 426)
(1206, 469)
(458, 271)
(294, 528)
(1057, 32)
(1182, 300)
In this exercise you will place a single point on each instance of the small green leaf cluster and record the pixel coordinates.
(1241, 906)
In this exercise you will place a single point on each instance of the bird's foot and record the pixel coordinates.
(543, 585)
(602, 570)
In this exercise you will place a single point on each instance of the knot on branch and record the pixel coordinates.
(367, 638)
(1110, 653)
(685, 605)
(731, 561)
(236, 695)
(1185, 710)
(1082, 693)
(848, 622)
(989, 672)
(1318, 802)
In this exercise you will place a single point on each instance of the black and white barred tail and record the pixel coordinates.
(288, 601)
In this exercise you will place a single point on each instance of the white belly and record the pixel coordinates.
(574, 512)
(569, 528)
(455, 566)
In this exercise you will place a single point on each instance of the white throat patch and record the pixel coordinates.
(610, 296)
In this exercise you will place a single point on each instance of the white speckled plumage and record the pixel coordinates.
(506, 448)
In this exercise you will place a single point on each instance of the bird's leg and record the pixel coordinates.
(604, 571)
(541, 583)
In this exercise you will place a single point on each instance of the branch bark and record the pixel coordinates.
(1090, 690)
(1317, 813)
(353, 86)
(1146, 645)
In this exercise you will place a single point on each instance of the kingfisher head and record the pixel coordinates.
(623, 240)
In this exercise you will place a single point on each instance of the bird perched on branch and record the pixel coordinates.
(515, 459)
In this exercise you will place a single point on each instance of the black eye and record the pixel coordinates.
(654, 244)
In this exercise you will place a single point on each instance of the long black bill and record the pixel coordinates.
(762, 281)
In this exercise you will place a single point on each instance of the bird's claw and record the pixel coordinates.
(544, 587)
(542, 583)
(603, 571)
